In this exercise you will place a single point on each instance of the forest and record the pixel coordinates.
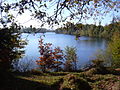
(91, 30)
(57, 68)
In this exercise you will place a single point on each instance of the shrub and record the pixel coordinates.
(71, 59)
(91, 71)
(73, 82)
(97, 63)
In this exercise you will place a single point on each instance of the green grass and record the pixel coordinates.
(48, 80)
(57, 80)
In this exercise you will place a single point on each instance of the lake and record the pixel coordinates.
(86, 47)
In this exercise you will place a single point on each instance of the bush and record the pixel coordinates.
(91, 71)
(99, 66)
(73, 82)
(71, 59)
(98, 63)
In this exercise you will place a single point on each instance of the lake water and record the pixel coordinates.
(86, 46)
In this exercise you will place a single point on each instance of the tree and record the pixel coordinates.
(10, 45)
(77, 9)
(10, 39)
(112, 28)
(71, 59)
(49, 58)
(111, 55)
(114, 50)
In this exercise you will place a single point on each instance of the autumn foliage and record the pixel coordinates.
(50, 59)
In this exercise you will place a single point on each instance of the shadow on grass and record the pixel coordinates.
(9, 82)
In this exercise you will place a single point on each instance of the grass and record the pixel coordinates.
(59, 81)
(47, 80)
(105, 82)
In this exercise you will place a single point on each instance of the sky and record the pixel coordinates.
(26, 20)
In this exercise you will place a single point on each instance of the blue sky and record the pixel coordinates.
(25, 19)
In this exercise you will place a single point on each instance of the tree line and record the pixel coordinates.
(90, 30)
